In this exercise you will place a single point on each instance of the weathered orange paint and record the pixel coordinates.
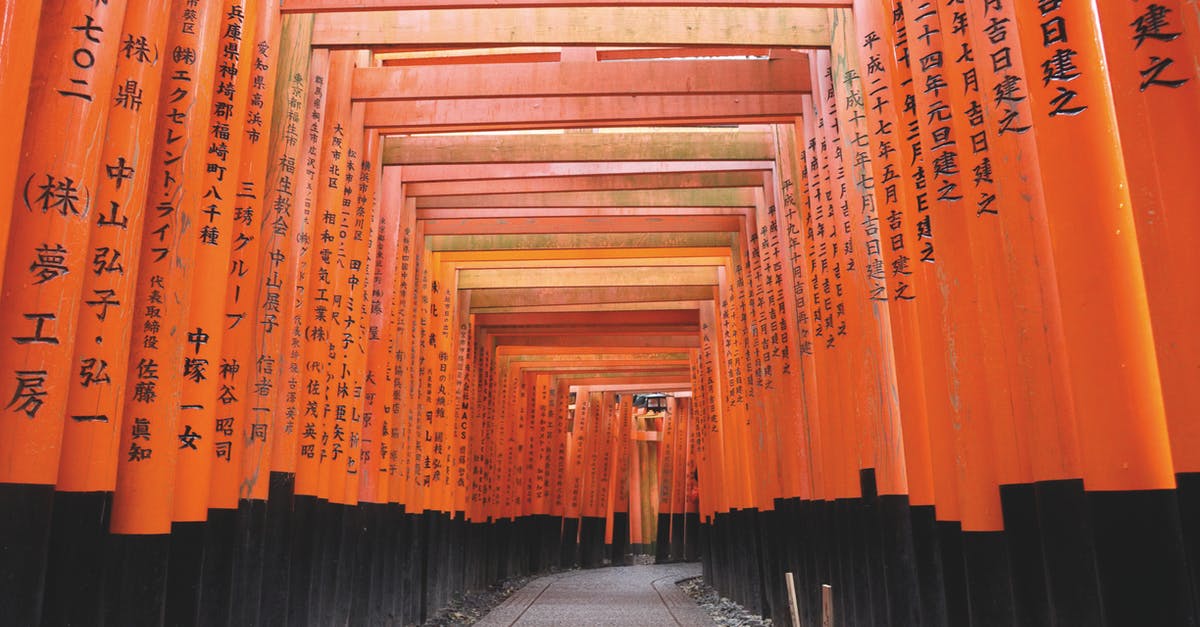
(260, 302)
(89, 445)
(1114, 374)
(320, 353)
(1156, 98)
(211, 401)
(53, 201)
(18, 46)
(143, 502)
(292, 184)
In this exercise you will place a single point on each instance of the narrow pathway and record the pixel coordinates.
(630, 596)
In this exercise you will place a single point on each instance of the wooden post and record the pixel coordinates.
(827, 606)
(793, 608)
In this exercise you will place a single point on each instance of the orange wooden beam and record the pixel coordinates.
(436, 116)
(587, 26)
(592, 319)
(347, 6)
(468, 172)
(610, 224)
(623, 341)
(751, 144)
(576, 212)
(670, 180)
(716, 197)
(578, 296)
(609, 78)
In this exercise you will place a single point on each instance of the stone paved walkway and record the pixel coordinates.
(628, 596)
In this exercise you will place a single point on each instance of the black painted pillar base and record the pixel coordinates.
(220, 533)
(1140, 555)
(250, 553)
(900, 560)
(1069, 553)
(569, 552)
(25, 515)
(691, 537)
(870, 544)
(1031, 605)
(928, 552)
(347, 526)
(591, 541)
(662, 541)
(954, 574)
(620, 555)
(277, 554)
(551, 540)
(302, 545)
(989, 579)
(1188, 489)
(75, 583)
(136, 578)
(678, 532)
(185, 574)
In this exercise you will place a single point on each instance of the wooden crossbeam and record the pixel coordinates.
(635, 388)
(475, 172)
(576, 240)
(609, 78)
(632, 381)
(793, 27)
(609, 224)
(578, 212)
(741, 197)
(587, 296)
(517, 353)
(673, 317)
(440, 116)
(344, 6)
(585, 277)
(630, 146)
(693, 305)
(597, 263)
(568, 330)
(669, 180)
(580, 255)
(616, 341)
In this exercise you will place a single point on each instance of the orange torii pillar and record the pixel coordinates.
(18, 40)
(88, 468)
(252, 307)
(1122, 427)
(891, 125)
(52, 189)
(143, 505)
(618, 492)
(208, 461)
(293, 136)
(317, 529)
(1151, 51)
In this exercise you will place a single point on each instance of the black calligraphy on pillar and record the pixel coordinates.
(1154, 26)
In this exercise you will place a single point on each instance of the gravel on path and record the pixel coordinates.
(722, 610)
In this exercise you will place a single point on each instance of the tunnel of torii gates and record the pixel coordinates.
(322, 311)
